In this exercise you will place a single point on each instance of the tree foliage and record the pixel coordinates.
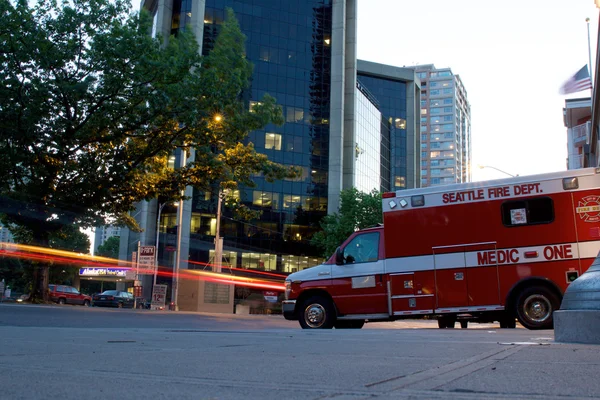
(358, 210)
(91, 107)
(110, 247)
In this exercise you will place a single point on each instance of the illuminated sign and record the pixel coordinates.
(116, 272)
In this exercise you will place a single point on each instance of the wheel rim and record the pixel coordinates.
(537, 308)
(315, 315)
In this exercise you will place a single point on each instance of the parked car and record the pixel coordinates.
(63, 294)
(113, 298)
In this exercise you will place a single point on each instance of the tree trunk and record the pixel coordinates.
(39, 287)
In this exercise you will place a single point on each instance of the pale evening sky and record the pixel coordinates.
(512, 56)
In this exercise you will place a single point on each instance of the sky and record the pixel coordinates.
(512, 57)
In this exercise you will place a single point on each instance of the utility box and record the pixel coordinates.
(203, 296)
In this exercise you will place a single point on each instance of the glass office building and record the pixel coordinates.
(304, 55)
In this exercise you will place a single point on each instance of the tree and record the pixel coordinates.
(19, 272)
(91, 107)
(358, 210)
(110, 247)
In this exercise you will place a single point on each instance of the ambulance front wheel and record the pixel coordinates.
(535, 306)
(317, 312)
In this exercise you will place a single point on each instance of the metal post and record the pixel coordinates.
(218, 243)
(175, 291)
(137, 274)
(160, 207)
(589, 52)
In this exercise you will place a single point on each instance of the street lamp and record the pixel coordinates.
(497, 169)
(175, 289)
(160, 207)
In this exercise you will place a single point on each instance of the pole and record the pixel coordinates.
(589, 52)
(137, 274)
(218, 243)
(175, 291)
(160, 207)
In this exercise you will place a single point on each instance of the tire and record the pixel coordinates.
(62, 301)
(349, 324)
(464, 324)
(317, 312)
(535, 306)
(446, 322)
(86, 303)
(119, 305)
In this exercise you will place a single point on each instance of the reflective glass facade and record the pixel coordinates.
(288, 42)
(391, 97)
(367, 175)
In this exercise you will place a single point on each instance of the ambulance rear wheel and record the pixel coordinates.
(464, 324)
(446, 322)
(317, 312)
(535, 306)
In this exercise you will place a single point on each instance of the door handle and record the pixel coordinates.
(323, 273)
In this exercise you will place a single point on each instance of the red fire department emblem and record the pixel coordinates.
(589, 208)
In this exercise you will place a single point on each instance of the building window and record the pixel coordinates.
(265, 199)
(400, 181)
(294, 114)
(294, 143)
(291, 201)
(273, 141)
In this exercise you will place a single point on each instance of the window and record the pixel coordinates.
(294, 114)
(294, 143)
(273, 141)
(400, 181)
(265, 199)
(528, 212)
(400, 123)
(363, 248)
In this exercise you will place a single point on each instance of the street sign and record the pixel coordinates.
(146, 258)
(159, 297)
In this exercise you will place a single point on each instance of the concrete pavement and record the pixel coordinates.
(197, 356)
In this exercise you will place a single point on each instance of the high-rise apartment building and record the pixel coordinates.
(102, 233)
(6, 237)
(577, 116)
(304, 55)
(445, 127)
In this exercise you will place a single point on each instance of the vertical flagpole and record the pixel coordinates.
(589, 52)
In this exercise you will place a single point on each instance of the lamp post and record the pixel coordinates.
(160, 207)
(175, 290)
(218, 241)
(497, 169)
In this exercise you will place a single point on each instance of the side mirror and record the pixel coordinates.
(339, 256)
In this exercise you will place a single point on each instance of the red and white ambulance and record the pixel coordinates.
(481, 251)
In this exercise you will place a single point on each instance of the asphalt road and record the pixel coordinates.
(87, 353)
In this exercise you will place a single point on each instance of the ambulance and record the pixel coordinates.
(501, 250)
